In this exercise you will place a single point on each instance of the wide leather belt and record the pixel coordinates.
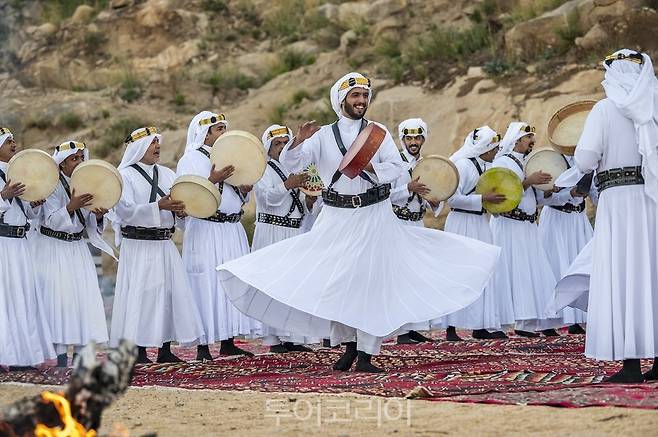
(64, 236)
(277, 220)
(370, 197)
(517, 214)
(616, 177)
(468, 211)
(139, 233)
(569, 208)
(221, 217)
(404, 213)
(10, 231)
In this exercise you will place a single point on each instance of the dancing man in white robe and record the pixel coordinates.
(215, 240)
(152, 302)
(525, 271)
(24, 334)
(347, 279)
(620, 142)
(65, 271)
(468, 217)
(280, 212)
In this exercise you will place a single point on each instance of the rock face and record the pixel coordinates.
(83, 14)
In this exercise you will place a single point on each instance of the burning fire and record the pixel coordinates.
(72, 428)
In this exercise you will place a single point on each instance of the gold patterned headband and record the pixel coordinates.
(144, 132)
(632, 57)
(71, 145)
(5, 130)
(528, 129)
(413, 132)
(354, 81)
(215, 118)
(276, 132)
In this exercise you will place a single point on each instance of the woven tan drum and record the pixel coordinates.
(200, 196)
(35, 169)
(243, 151)
(566, 125)
(439, 174)
(548, 161)
(100, 179)
(314, 185)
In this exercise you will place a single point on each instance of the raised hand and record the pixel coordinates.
(415, 186)
(78, 202)
(12, 190)
(307, 130)
(168, 204)
(219, 176)
(296, 181)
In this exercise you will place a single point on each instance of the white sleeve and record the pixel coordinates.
(306, 153)
(387, 162)
(590, 145)
(144, 215)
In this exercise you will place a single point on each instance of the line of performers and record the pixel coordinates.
(354, 266)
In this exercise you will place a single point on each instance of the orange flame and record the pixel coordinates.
(72, 428)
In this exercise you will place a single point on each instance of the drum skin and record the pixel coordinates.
(243, 151)
(37, 170)
(439, 174)
(566, 126)
(200, 196)
(314, 185)
(100, 179)
(546, 160)
(362, 150)
(502, 181)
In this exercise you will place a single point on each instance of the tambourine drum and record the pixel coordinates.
(546, 160)
(362, 150)
(243, 151)
(200, 196)
(566, 125)
(100, 179)
(439, 174)
(314, 185)
(35, 169)
(501, 181)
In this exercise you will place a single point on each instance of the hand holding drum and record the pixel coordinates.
(435, 178)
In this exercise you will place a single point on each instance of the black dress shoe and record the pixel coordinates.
(363, 364)
(62, 360)
(417, 336)
(406, 339)
(451, 334)
(528, 334)
(228, 348)
(481, 334)
(203, 353)
(576, 329)
(346, 360)
(550, 333)
(291, 347)
(278, 349)
(498, 335)
(142, 358)
(22, 369)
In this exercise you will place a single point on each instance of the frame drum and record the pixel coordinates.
(566, 125)
(439, 174)
(362, 150)
(502, 181)
(547, 160)
(200, 196)
(100, 179)
(243, 151)
(37, 170)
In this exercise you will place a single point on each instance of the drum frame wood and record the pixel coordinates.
(560, 115)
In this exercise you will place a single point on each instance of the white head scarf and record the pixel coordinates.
(137, 144)
(4, 134)
(198, 128)
(477, 142)
(413, 127)
(68, 148)
(275, 131)
(633, 88)
(343, 86)
(515, 131)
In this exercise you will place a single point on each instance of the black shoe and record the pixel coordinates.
(75, 355)
(142, 358)
(326, 342)
(228, 348)
(22, 369)
(652, 375)
(451, 334)
(168, 357)
(576, 329)
(203, 353)
(346, 360)
(278, 349)
(363, 364)
(528, 334)
(631, 373)
(417, 336)
(498, 335)
(406, 339)
(481, 334)
(62, 360)
(550, 333)
(291, 347)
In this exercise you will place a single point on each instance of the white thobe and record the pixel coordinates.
(400, 193)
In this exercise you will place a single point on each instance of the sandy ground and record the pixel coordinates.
(171, 412)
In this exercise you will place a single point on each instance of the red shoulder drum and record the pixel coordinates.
(362, 150)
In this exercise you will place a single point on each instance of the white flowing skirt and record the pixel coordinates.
(205, 246)
(152, 301)
(362, 268)
(24, 334)
(483, 313)
(526, 272)
(622, 315)
(573, 288)
(68, 286)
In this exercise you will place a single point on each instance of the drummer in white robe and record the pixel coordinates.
(65, 271)
(565, 230)
(215, 240)
(468, 217)
(24, 334)
(620, 142)
(152, 297)
(280, 213)
(346, 278)
(408, 205)
(526, 271)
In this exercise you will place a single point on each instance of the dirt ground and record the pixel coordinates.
(176, 412)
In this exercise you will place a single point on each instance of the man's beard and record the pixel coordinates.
(416, 154)
(351, 113)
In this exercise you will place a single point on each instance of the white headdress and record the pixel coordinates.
(137, 143)
(343, 86)
(631, 84)
(198, 128)
(275, 131)
(68, 148)
(477, 142)
(515, 131)
(4, 134)
(413, 127)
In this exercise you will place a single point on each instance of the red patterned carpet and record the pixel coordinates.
(540, 371)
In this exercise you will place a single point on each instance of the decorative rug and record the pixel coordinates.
(528, 371)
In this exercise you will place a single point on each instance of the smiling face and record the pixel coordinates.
(7, 149)
(413, 144)
(355, 104)
(277, 146)
(525, 144)
(69, 164)
(152, 154)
